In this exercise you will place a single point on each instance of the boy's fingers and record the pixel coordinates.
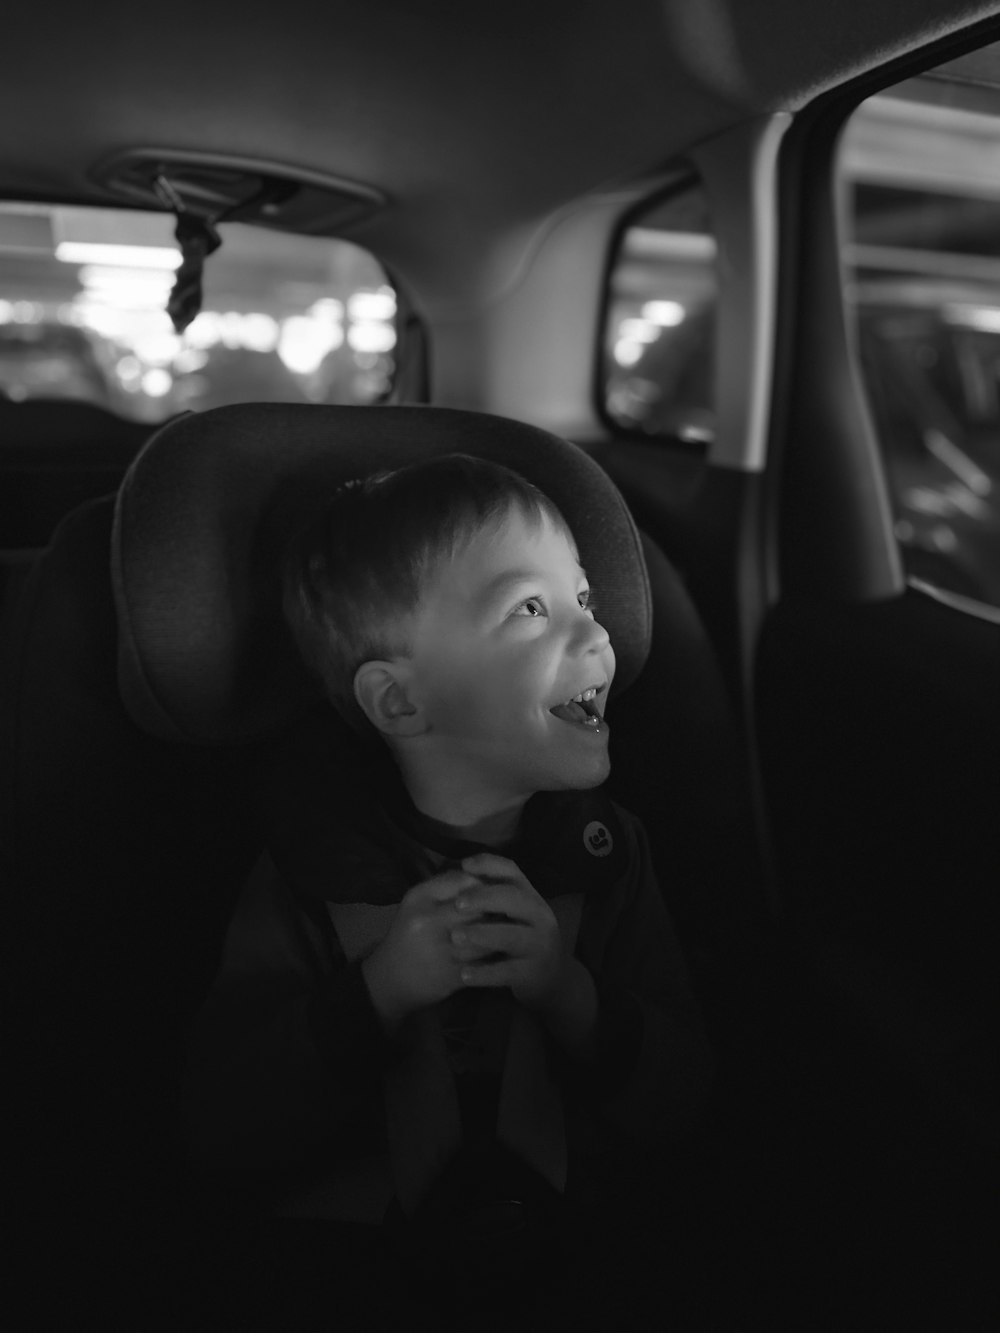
(489, 974)
(475, 953)
(479, 898)
(443, 888)
(486, 939)
(488, 865)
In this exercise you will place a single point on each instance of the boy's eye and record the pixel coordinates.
(531, 606)
(588, 601)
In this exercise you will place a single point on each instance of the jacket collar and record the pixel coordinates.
(342, 827)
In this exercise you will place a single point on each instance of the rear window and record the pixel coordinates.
(83, 296)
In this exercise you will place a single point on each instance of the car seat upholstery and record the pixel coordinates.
(148, 679)
(121, 859)
(55, 454)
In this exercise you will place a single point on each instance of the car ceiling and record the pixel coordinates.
(473, 119)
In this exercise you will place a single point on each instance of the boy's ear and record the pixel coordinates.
(381, 691)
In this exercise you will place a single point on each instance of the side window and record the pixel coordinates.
(920, 170)
(284, 317)
(657, 362)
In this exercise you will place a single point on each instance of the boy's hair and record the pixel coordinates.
(354, 574)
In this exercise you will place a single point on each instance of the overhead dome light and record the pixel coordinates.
(226, 187)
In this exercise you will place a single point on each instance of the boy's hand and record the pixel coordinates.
(526, 935)
(417, 964)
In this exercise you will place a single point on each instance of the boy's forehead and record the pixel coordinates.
(517, 548)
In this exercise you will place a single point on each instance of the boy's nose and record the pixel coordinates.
(593, 637)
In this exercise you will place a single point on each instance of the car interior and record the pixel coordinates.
(724, 280)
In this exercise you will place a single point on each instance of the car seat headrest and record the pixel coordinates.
(203, 514)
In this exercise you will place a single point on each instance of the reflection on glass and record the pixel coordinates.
(661, 318)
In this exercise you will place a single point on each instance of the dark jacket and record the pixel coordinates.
(291, 1078)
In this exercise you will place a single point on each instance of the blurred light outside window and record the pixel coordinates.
(657, 369)
(920, 172)
(83, 296)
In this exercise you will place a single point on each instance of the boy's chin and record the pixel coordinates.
(584, 778)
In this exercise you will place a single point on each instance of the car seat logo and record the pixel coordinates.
(597, 839)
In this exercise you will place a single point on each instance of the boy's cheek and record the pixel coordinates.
(610, 663)
(460, 712)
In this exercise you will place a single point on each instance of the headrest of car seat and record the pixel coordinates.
(205, 510)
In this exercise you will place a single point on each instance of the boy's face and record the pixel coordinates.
(502, 637)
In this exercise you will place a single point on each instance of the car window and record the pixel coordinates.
(658, 354)
(83, 296)
(920, 172)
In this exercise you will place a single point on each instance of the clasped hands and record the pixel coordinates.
(479, 925)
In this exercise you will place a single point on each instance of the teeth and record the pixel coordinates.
(584, 697)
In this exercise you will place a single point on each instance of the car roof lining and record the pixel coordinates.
(558, 98)
(484, 129)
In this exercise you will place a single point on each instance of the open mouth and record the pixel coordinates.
(582, 709)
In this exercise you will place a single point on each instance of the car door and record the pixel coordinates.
(798, 417)
(877, 673)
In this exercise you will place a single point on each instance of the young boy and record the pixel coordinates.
(495, 993)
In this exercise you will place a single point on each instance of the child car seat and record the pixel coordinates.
(150, 672)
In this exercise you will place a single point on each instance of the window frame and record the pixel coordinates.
(739, 172)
